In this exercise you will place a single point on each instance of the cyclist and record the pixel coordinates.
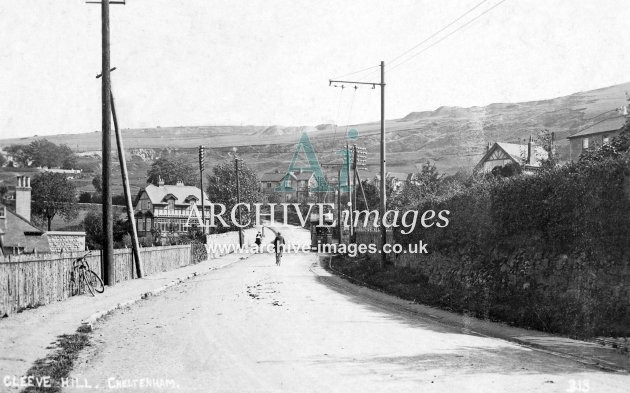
(278, 244)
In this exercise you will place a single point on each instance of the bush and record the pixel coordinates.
(546, 251)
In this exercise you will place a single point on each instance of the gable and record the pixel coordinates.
(498, 154)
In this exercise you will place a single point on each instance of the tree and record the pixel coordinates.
(4, 190)
(42, 152)
(52, 194)
(93, 226)
(427, 182)
(97, 183)
(546, 140)
(18, 152)
(3, 159)
(172, 170)
(222, 188)
(507, 170)
(69, 159)
(618, 145)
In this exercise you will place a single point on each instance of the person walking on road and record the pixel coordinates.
(258, 240)
(278, 244)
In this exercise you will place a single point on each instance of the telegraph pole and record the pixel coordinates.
(203, 204)
(125, 180)
(383, 204)
(107, 256)
(354, 176)
(238, 200)
(339, 226)
(383, 172)
(106, 134)
(350, 206)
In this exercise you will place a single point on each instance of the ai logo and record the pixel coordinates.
(312, 165)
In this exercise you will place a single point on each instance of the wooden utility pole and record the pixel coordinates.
(238, 201)
(383, 207)
(107, 256)
(383, 202)
(203, 204)
(354, 176)
(125, 178)
(106, 134)
(339, 226)
(350, 206)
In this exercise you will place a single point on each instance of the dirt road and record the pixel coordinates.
(256, 327)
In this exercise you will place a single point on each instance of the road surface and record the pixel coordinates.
(256, 327)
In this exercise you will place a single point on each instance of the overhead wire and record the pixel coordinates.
(448, 35)
(433, 35)
(438, 32)
(355, 72)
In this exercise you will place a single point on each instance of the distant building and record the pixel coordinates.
(594, 136)
(528, 156)
(170, 209)
(18, 235)
(281, 184)
(292, 186)
(396, 179)
(306, 183)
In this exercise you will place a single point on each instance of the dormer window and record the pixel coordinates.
(191, 200)
(171, 204)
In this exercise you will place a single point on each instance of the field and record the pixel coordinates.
(454, 138)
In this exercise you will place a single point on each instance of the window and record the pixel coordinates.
(585, 143)
(171, 205)
(268, 184)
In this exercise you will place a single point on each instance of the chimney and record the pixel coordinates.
(488, 146)
(160, 181)
(180, 183)
(530, 146)
(23, 197)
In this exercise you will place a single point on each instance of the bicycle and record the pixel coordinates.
(82, 276)
(278, 255)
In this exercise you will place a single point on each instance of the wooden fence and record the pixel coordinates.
(35, 280)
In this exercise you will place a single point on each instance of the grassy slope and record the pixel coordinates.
(453, 137)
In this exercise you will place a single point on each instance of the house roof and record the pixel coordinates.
(18, 231)
(274, 176)
(516, 152)
(606, 125)
(401, 176)
(306, 175)
(181, 193)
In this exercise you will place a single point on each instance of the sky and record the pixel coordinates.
(268, 62)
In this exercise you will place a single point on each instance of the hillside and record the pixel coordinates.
(453, 137)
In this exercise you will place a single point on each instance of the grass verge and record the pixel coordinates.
(57, 365)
